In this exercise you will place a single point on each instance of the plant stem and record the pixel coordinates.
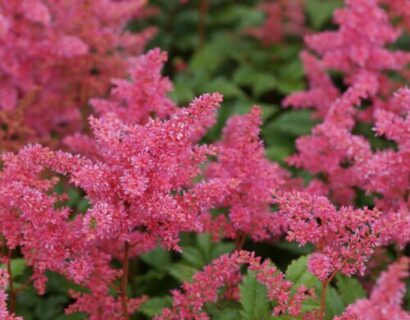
(11, 285)
(323, 295)
(240, 241)
(323, 300)
(203, 14)
(124, 281)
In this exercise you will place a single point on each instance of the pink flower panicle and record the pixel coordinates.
(358, 50)
(142, 177)
(142, 190)
(386, 298)
(144, 96)
(282, 18)
(4, 314)
(249, 204)
(344, 239)
(358, 44)
(188, 303)
(322, 91)
(58, 54)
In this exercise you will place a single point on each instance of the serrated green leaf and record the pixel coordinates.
(223, 310)
(182, 272)
(298, 273)
(155, 305)
(259, 81)
(293, 123)
(18, 265)
(334, 303)
(320, 11)
(294, 247)
(194, 257)
(157, 258)
(225, 87)
(253, 299)
(349, 289)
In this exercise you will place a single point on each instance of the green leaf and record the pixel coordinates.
(334, 303)
(294, 247)
(260, 82)
(223, 310)
(254, 300)
(321, 11)
(155, 305)
(294, 123)
(18, 266)
(182, 272)
(350, 289)
(158, 258)
(298, 273)
(225, 87)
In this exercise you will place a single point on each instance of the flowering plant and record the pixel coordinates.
(144, 211)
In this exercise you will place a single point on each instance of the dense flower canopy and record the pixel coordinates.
(118, 183)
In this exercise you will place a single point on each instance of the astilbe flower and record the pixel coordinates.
(4, 314)
(359, 44)
(241, 157)
(144, 96)
(142, 177)
(141, 188)
(344, 239)
(331, 150)
(386, 172)
(282, 18)
(322, 92)
(58, 54)
(52, 238)
(134, 101)
(358, 50)
(189, 302)
(386, 298)
(29, 219)
(399, 9)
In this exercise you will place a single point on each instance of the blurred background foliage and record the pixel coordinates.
(214, 52)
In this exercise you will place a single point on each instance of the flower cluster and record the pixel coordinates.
(249, 204)
(344, 238)
(361, 55)
(4, 314)
(55, 56)
(282, 18)
(385, 300)
(189, 303)
(147, 177)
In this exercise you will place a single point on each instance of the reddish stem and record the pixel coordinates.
(124, 281)
(323, 296)
(240, 241)
(203, 14)
(11, 285)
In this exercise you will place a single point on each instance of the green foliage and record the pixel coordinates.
(154, 306)
(350, 289)
(197, 255)
(336, 298)
(51, 306)
(320, 11)
(254, 300)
